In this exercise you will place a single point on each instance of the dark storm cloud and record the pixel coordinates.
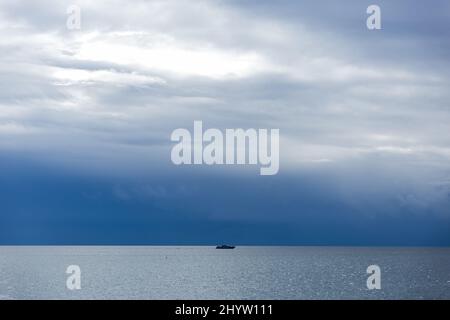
(364, 114)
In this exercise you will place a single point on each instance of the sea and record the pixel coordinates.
(203, 272)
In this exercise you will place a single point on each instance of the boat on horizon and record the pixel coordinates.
(224, 246)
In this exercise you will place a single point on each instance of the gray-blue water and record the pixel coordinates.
(207, 273)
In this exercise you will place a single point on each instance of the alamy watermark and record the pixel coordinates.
(73, 21)
(73, 281)
(234, 146)
(374, 280)
(373, 21)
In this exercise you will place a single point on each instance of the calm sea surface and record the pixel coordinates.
(207, 273)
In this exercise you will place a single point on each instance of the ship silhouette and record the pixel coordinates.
(224, 246)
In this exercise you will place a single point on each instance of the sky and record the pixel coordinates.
(86, 118)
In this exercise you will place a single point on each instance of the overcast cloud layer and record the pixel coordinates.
(364, 116)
